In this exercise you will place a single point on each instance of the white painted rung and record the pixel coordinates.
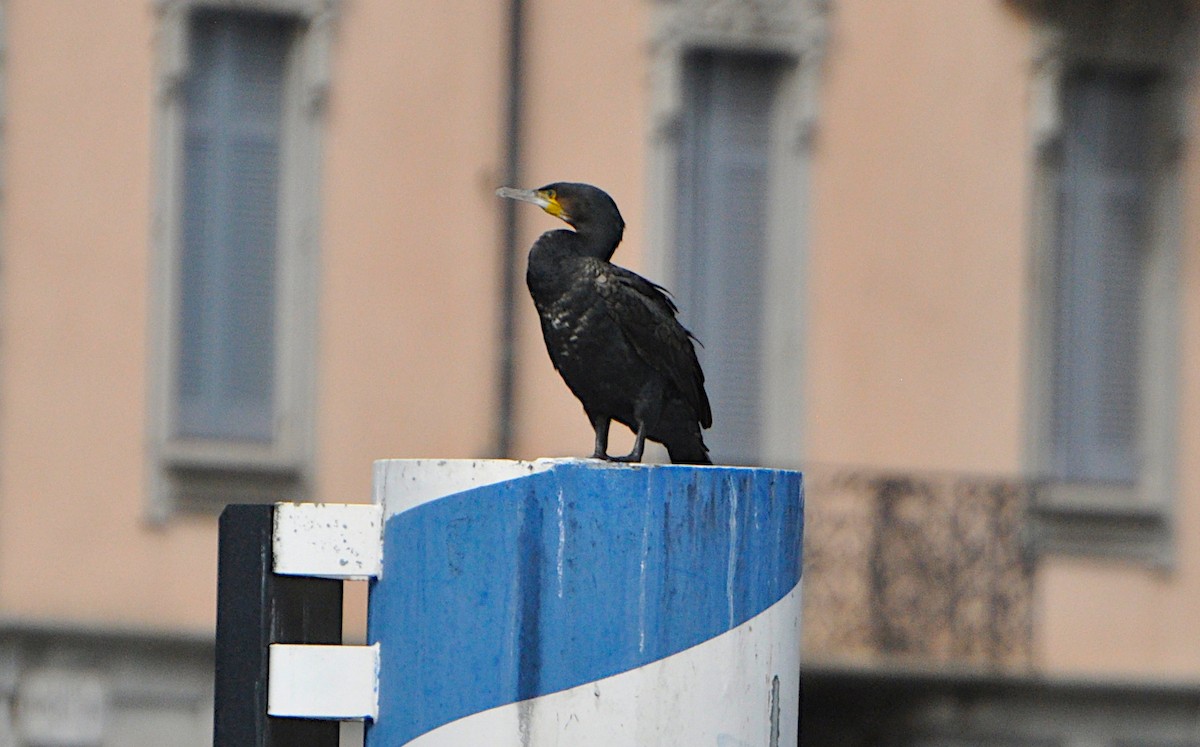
(328, 540)
(330, 682)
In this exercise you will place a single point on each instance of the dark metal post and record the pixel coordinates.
(510, 277)
(256, 608)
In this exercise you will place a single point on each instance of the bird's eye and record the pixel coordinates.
(551, 194)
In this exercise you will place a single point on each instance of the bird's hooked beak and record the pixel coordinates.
(543, 198)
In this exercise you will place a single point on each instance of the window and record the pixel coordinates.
(734, 99)
(1108, 125)
(233, 111)
(724, 184)
(241, 87)
(1105, 196)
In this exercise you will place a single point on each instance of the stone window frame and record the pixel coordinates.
(203, 475)
(1093, 519)
(794, 31)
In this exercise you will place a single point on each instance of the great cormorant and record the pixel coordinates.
(611, 333)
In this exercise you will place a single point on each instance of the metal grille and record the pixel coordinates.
(916, 570)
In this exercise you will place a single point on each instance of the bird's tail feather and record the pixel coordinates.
(689, 452)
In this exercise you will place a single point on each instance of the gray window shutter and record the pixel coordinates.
(723, 193)
(1104, 203)
(232, 137)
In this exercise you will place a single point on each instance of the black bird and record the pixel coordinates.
(611, 333)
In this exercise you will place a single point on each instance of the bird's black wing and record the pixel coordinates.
(646, 315)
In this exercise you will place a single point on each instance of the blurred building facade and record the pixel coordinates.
(944, 256)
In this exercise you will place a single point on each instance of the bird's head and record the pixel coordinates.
(587, 209)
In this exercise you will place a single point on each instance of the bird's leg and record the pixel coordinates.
(601, 424)
(647, 409)
(639, 445)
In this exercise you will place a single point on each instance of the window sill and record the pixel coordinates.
(1101, 522)
(206, 489)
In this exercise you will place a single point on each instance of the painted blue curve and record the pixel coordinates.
(536, 585)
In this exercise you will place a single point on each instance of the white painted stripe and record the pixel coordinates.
(329, 540)
(331, 682)
(722, 692)
(408, 483)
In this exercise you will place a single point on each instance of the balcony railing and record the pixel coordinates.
(916, 570)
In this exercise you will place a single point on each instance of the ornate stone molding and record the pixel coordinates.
(1139, 34)
(318, 16)
(737, 22)
(794, 29)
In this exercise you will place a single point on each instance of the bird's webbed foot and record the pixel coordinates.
(631, 458)
(601, 450)
(639, 445)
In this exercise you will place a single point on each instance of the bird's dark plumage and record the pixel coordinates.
(611, 333)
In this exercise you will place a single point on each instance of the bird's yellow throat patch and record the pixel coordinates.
(553, 206)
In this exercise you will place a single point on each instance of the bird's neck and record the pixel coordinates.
(553, 263)
(562, 245)
(597, 241)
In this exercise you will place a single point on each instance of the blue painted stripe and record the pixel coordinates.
(536, 585)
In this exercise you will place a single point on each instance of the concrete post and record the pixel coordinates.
(577, 602)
